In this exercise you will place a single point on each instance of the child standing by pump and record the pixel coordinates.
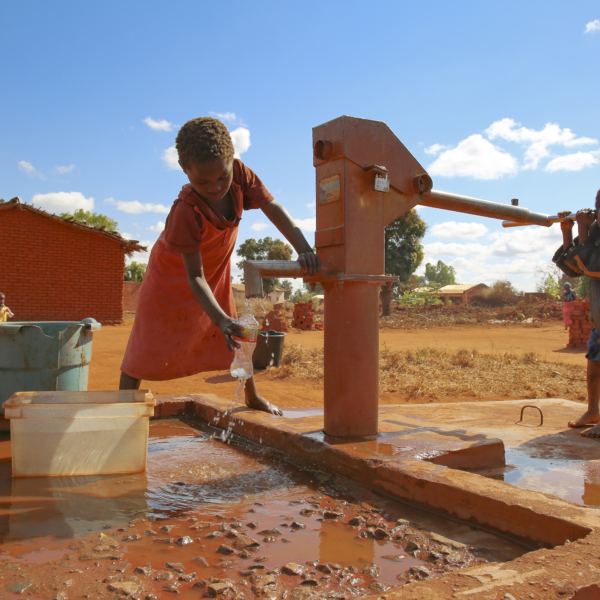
(185, 317)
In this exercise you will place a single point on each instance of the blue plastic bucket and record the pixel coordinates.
(45, 356)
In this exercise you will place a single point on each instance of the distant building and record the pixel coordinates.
(460, 294)
(239, 292)
(56, 269)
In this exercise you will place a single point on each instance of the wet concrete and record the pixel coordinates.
(210, 518)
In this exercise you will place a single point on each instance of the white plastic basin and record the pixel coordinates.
(79, 433)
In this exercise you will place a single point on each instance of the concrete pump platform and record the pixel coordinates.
(434, 456)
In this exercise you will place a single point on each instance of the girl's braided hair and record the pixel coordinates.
(203, 139)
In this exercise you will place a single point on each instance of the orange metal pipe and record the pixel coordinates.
(351, 358)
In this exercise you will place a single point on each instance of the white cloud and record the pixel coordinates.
(157, 228)
(63, 170)
(241, 140)
(162, 125)
(573, 162)
(171, 159)
(29, 170)
(309, 225)
(592, 26)
(229, 117)
(474, 157)
(63, 202)
(537, 142)
(312, 205)
(134, 207)
(454, 230)
(435, 149)
(259, 226)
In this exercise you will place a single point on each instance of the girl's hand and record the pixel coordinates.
(229, 328)
(310, 263)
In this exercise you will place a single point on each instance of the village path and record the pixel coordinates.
(548, 342)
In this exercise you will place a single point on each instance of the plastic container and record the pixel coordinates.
(269, 347)
(79, 433)
(45, 356)
(241, 367)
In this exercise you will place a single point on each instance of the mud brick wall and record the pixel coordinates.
(579, 332)
(52, 271)
(304, 316)
(131, 294)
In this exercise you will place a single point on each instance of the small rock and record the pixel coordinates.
(143, 570)
(310, 582)
(286, 541)
(78, 546)
(411, 546)
(252, 524)
(356, 521)
(245, 554)
(508, 596)
(261, 558)
(307, 512)
(177, 567)
(201, 583)
(163, 576)
(292, 568)
(225, 549)
(258, 567)
(101, 556)
(371, 570)
(201, 525)
(324, 568)
(150, 532)
(214, 534)
(298, 525)
(244, 541)
(173, 586)
(187, 577)
(164, 540)
(380, 534)
(332, 514)
(184, 541)
(433, 557)
(124, 587)
(378, 588)
(20, 587)
(273, 531)
(419, 573)
(394, 557)
(224, 564)
(232, 533)
(270, 538)
(167, 528)
(120, 567)
(216, 589)
(200, 560)
(251, 510)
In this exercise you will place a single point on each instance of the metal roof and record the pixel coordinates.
(459, 289)
(130, 246)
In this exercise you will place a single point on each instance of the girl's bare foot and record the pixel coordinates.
(593, 433)
(259, 403)
(589, 417)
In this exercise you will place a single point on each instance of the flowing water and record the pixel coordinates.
(198, 497)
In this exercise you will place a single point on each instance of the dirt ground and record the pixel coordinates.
(547, 342)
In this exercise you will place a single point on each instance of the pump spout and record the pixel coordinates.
(256, 270)
(484, 208)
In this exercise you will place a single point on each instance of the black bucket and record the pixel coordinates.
(269, 347)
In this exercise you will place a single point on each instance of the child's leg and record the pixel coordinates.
(592, 414)
(129, 383)
(254, 400)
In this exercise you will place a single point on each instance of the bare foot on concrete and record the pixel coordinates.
(589, 417)
(593, 433)
(259, 403)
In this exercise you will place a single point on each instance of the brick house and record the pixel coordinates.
(56, 269)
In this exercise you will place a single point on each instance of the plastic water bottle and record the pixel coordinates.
(241, 367)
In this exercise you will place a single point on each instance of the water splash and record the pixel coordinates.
(236, 400)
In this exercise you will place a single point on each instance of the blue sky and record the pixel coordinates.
(496, 100)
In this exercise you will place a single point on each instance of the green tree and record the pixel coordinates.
(550, 280)
(265, 249)
(403, 248)
(92, 218)
(583, 287)
(135, 271)
(440, 274)
(286, 284)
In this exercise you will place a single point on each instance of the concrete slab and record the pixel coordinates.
(416, 458)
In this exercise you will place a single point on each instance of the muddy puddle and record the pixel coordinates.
(562, 476)
(210, 519)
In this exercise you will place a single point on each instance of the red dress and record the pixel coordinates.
(172, 336)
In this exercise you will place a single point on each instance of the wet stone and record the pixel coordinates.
(245, 554)
(394, 557)
(173, 586)
(126, 588)
(143, 570)
(434, 557)
(246, 572)
(177, 567)
(187, 577)
(298, 525)
(216, 589)
(302, 593)
(214, 534)
(120, 567)
(307, 512)
(244, 541)
(164, 576)
(184, 541)
(269, 539)
(310, 583)
(200, 560)
(164, 540)
(356, 521)
(258, 567)
(225, 549)
(252, 524)
(332, 514)
(224, 564)
(150, 532)
(167, 528)
(232, 534)
(273, 531)
(419, 573)
(18, 588)
(286, 541)
(377, 588)
(78, 546)
(292, 568)
(201, 583)
(380, 534)
(101, 556)
(371, 570)
(201, 525)
(411, 546)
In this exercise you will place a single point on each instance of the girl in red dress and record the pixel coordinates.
(185, 317)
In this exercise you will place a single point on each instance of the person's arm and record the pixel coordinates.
(10, 312)
(585, 219)
(206, 299)
(567, 229)
(310, 262)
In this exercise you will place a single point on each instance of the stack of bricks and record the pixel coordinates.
(304, 316)
(580, 328)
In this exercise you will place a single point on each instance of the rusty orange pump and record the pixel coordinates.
(365, 180)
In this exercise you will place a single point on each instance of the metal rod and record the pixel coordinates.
(483, 208)
(553, 219)
(531, 406)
